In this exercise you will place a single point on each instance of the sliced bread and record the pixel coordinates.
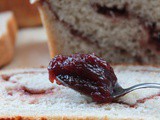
(28, 94)
(26, 14)
(117, 30)
(8, 32)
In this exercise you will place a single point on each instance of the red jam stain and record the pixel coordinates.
(32, 91)
(5, 77)
(22, 90)
(113, 11)
(10, 93)
(86, 74)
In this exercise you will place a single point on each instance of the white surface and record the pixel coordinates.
(31, 49)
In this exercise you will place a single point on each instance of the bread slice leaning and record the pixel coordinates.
(26, 14)
(8, 33)
(28, 94)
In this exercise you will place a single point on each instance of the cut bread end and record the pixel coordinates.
(121, 31)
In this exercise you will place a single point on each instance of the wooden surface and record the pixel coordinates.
(31, 49)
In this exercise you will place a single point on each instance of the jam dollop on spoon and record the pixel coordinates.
(91, 76)
(85, 73)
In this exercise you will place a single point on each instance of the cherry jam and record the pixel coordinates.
(85, 73)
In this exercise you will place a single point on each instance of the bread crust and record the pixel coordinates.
(50, 118)
(51, 37)
(26, 14)
(60, 118)
(7, 41)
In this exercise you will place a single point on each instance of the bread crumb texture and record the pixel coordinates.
(29, 94)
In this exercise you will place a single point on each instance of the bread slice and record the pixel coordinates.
(28, 94)
(120, 31)
(26, 14)
(8, 32)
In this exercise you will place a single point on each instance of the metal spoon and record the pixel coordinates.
(119, 91)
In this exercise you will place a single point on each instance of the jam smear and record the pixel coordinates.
(85, 73)
(32, 91)
(6, 77)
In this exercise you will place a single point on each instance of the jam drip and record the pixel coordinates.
(111, 11)
(86, 74)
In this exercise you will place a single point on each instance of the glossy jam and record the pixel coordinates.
(86, 74)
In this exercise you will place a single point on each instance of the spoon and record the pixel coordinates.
(90, 76)
(119, 91)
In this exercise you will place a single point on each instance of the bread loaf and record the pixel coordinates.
(28, 94)
(119, 31)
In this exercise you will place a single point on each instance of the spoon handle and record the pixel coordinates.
(143, 85)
